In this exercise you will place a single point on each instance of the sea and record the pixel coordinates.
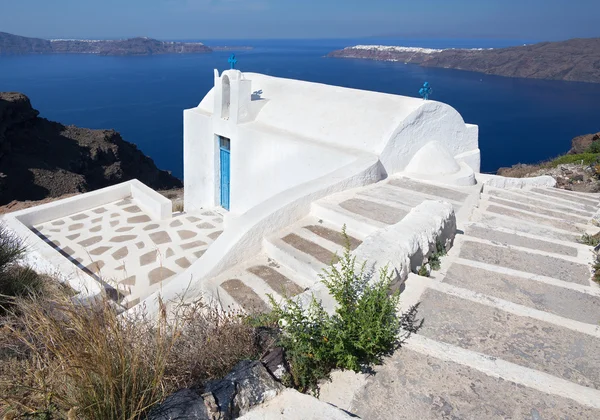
(520, 120)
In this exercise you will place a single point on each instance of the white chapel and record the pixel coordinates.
(254, 136)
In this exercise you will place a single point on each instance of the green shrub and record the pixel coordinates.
(591, 240)
(596, 276)
(586, 158)
(423, 271)
(364, 327)
(594, 147)
(434, 259)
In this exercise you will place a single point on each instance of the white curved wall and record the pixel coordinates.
(432, 122)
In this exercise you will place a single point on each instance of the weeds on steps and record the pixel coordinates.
(434, 260)
(365, 327)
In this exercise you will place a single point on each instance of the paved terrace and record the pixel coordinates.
(125, 247)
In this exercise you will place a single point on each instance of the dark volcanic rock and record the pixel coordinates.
(41, 158)
(572, 60)
(246, 386)
(184, 404)
(14, 44)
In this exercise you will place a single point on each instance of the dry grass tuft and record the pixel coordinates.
(59, 359)
(178, 206)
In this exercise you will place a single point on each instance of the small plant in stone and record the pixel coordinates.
(434, 259)
(424, 270)
(364, 327)
(591, 240)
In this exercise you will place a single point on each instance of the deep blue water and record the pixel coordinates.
(520, 120)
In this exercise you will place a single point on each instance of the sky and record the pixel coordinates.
(238, 19)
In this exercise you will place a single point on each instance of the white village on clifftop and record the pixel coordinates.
(275, 168)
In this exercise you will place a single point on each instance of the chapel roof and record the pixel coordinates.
(339, 115)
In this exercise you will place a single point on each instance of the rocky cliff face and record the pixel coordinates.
(572, 60)
(41, 158)
(581, 143)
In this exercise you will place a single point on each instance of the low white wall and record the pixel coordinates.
(57, 209)
(506, 182)
(45, 259)
(157, 205)
(243, 237)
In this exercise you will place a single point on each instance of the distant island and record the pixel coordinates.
(575, 60)
(14, 44)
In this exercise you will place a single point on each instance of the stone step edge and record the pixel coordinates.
(559, 200)
(356, 225)
(537, 196)
(516, 196)
(577, 260)
(567, 195)
(484, 204)
(293, 259)
(421, 195)
(576, 218)
(479, 214)
(515, 308)
(592, 290)
(484, 225)
(313, 237)
(502, 369)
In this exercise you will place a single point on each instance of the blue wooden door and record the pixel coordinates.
(224, 145)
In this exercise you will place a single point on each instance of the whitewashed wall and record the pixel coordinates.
(298, 131)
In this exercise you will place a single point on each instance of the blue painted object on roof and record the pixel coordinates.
(425, 91)
(232, 60)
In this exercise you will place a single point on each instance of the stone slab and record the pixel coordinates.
(522, 241)
(575, 198)
(316, 251)
(380, 212)
(555, 223)
(245, 296)
(541, 210)
(397, 195)
(524, 261)
(519, 226)
(276, 281)
(430, 189)
(528, 342)
(414, 386)
(530, 199)
(537, 295)
(334, 236)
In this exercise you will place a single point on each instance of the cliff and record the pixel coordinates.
(41, 158)
(14, 44)
(572, 60)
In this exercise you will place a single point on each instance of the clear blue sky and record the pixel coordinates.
(215, 19)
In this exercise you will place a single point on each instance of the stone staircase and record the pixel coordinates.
(293, 258)
(511, 320)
